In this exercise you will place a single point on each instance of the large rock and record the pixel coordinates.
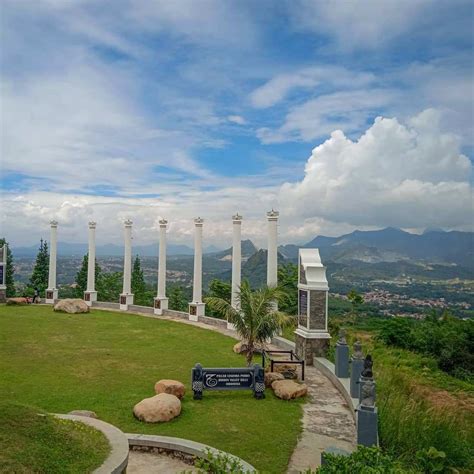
(287, 389)
(271, 377)
(289, 371)
(160, 408)
(170, 386)
(16, 301)
(241, 348)
(71, 306)
(87, 413)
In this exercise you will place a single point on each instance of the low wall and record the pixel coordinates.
(181, 445)
(283, 343)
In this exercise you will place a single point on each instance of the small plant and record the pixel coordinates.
(217, 462)
(432, 460)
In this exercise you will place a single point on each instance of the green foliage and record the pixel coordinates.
(138, 282)
(39, 277)
(81, 276)
(356, 301)
(449, 340)
(218, 289)
(431, 460)
(109, 286)
(257, 320)
(219, 463)
(363, 460)
(177, 299)
(288, 282)
(9, 271)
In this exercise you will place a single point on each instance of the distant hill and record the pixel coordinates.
(247, 248)
(391, 245)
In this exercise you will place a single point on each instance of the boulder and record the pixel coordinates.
(289, 371)
(71, 306)
(87, 413)
(160, 408)
(241, 348)
(170, 386)
(270, 377)
(287, 389)
(17, 301)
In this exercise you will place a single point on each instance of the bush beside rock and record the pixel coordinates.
(158, 409)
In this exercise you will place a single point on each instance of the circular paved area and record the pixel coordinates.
(142, 462)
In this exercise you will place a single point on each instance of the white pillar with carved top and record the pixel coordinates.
(236, 262)
(52, 291)
(161, 301)
(272, 252)
(3, 273)
(126, 297)
(90, 294)
(197, 307)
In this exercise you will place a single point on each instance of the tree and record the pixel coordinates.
(257, 320)
(109, 286)
(139, 289)
(9, 271)
(288, 282)
(219, 289)
(177, 299)
(356, 300)
(39, 277)
(81, 276)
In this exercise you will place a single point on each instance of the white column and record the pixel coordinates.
(272, 253)
(3, 273)
(90, 294)
(52, 291)
(161, 301)
(126, 297)
(236, 262)
(196, 308)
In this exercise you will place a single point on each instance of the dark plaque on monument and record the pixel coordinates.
(49, 295)
(246, 378)
(303, 307)
(157, 304)
(87, 296)
(123, 300)
(2, 282)
(192, 310)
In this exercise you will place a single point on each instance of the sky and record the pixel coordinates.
(343, 115)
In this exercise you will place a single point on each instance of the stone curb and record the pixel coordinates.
(342, 384)
(181, 445)
(117, 461)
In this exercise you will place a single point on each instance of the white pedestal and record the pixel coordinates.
(89, 297)
(125, 300)
(159, 305)
(51, 295)
(196, 310)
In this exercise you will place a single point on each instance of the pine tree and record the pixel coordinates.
(81, 276)
(39, 277)
(138, 282)
(177, 299)
(9, 278)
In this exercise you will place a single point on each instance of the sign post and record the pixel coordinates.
(246, 378)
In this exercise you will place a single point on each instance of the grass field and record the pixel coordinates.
(107, 362)
(31, 441)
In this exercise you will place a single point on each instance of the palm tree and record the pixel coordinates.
(257, 320)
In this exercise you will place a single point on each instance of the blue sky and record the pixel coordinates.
(144, 109)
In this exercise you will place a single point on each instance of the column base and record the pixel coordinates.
(90, 297)
(160, 304)
(51, 295)
(367, 434)
(125, 300)
(196, 310)
(311, 344)
(3, 293)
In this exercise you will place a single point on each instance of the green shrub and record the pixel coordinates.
(219, 463)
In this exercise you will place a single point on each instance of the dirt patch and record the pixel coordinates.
(443, 399)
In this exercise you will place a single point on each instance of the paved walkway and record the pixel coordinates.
(140, 462)
(327, 419)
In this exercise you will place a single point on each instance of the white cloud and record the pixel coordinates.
(400, 175)
(239, 120)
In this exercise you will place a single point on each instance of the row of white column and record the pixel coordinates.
(197, 306)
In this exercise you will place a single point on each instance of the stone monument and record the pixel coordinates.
(197, 307)
(312, 336)
(90, 295)
(161, 301)
(367, 416)
(342, 356)
(357, 365)
(3, 273)
(126, 297)
(236, 262)
(52, 291)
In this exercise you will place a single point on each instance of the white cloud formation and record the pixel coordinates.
(400, 175)
(239, 120)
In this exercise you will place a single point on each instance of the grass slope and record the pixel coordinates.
(107, 362)
(31, 441)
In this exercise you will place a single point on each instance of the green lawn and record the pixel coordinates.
(107, 362)
(31, 441)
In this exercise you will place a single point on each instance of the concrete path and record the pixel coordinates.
(140, 462)
(327, 419)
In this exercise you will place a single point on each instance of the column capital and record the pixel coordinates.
(198, 221)
(163, 222)
(92, 224)
(54, 223)
(128, 223)
(272, 215)
(237, 218)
